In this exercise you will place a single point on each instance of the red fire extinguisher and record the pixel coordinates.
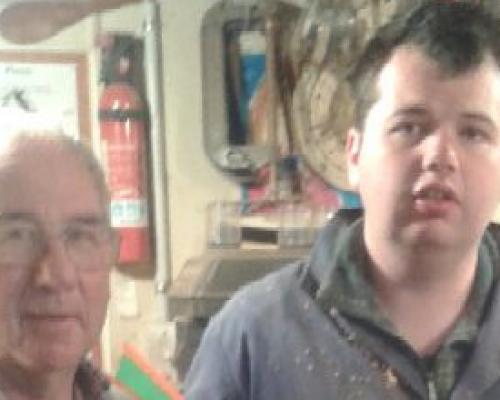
(122, 126)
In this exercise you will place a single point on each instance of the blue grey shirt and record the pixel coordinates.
(284, 337)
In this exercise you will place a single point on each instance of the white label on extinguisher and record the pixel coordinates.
(129, 213)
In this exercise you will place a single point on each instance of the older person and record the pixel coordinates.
(56, 251)
(400, 301)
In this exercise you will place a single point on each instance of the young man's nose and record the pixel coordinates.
(440, 152)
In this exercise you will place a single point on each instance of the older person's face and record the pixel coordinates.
(54, 258)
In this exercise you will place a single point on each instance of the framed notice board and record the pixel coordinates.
(48, 82)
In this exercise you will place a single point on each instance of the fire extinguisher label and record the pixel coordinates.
(125, 167)
(129, 213)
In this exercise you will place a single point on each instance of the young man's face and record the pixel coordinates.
(53, 282)
(428, 164)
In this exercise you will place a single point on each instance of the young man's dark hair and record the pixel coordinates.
(457, 35)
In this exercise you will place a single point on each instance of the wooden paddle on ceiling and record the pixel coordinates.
(33, 21)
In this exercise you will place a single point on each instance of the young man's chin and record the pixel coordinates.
(432, 233)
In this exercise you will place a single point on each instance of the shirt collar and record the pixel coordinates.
(341, 263)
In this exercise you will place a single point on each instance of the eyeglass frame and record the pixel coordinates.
(39, 236)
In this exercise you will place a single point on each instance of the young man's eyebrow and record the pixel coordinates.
(479, 117)
(413, 110)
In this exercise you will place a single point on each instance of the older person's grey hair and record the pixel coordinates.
(16, 127)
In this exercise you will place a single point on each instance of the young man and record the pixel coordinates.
(401, 301)
(56, 251)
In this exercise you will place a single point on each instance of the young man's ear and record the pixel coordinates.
(353, 150)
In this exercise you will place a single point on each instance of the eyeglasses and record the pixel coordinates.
(89, 246)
